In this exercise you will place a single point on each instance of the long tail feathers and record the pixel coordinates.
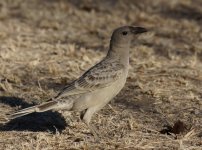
(38, 108)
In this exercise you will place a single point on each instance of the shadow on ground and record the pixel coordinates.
(46, 121)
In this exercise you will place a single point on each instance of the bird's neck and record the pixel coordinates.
(121, 53)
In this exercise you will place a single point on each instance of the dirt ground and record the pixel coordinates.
(45, 44)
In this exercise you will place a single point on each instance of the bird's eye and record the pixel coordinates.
(124, 32)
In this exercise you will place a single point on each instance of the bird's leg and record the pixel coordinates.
(86, 119)
(93, 130)
(82, 113)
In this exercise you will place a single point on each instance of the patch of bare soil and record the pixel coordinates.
(46, 44)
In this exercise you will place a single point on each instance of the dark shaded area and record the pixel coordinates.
(14, 101)
(94, 5)
(136, 100)
(178, 127)
(200, 135)
(46, 121)
(183, 12)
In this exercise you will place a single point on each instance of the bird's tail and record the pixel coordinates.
(38, 108)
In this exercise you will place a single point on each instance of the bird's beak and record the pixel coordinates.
(138, 30)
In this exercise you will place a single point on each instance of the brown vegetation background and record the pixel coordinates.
(45, 44)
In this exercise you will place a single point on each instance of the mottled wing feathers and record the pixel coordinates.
(99, 76)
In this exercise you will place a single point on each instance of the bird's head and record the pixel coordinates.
(123, 36)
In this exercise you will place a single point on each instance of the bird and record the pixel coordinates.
(97, 86)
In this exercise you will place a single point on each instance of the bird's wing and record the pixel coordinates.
(101, 75)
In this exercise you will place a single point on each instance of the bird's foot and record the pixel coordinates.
(95, 133)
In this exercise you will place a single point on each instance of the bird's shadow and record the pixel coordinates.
(46, 121)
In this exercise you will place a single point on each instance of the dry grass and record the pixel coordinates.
(46, 44)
